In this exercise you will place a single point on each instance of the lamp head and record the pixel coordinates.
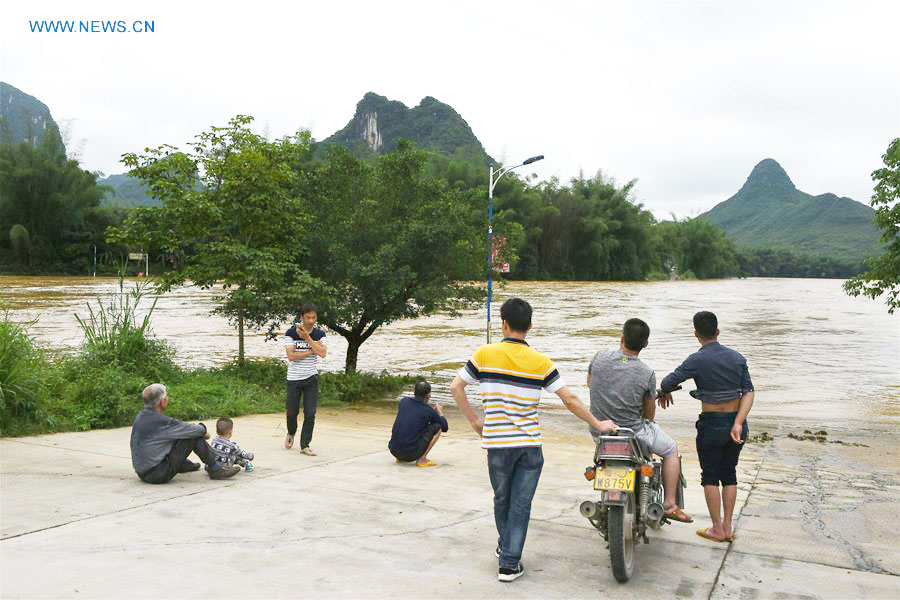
(533, 159)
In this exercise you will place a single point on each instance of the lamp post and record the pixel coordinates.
(493, 178)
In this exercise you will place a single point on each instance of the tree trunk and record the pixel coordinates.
(241, 339)
(353, 344)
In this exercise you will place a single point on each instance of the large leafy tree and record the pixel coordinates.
(229, 215)
(389, 242)
(883, 275)
(696, 246)
(52, 198)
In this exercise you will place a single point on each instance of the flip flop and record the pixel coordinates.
(680, 516)
(704, 533)
(426, 464)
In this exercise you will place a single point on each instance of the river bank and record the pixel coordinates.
(816, 519)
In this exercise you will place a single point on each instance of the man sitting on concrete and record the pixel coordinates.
(160, 444)
(417, 427)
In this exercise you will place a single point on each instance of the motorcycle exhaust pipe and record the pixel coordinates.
(589, 509)
(655, 511)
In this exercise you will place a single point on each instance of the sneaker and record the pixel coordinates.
(308, 451)
(188, 466)
(289, 441)
(224, 472)
(511, 574)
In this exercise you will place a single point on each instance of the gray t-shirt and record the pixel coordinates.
(619, 383)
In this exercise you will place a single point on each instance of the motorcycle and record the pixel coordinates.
(631, 497)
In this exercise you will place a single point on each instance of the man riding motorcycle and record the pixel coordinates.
(623, 389)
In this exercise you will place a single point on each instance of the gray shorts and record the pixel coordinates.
(652, 437)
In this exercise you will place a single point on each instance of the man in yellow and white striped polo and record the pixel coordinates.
(512, 375)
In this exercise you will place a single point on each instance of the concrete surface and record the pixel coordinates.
(816, 520)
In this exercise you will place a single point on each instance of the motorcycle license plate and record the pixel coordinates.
(614, 479)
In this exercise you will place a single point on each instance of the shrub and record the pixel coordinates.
(352, 388)
(23, 388)
(102, 396)
(113, 336)
(268, 373)
(204, 394)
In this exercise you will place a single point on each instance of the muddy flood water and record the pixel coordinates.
(811, 349)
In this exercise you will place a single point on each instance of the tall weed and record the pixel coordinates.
(114, 336)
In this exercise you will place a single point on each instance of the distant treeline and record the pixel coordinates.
(591, 229)
(52, 221)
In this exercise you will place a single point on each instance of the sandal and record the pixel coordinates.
(426, 464)
(679, 515)
(289, 441)
(704, 533)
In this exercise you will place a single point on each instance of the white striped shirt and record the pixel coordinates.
(511, 376)
(305, 367)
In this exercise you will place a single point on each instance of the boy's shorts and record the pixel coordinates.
(651, 437)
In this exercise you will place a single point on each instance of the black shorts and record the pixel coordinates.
(421, 445)
(717, 451)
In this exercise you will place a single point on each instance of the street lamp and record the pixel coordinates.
(493, 178)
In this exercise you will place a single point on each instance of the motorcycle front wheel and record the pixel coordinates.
(621, 539)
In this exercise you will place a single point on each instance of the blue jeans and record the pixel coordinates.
(514, 475)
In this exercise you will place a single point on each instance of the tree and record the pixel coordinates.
(696, 247)
(50, 196)
(883, 275)
(229, 215)
(21, 244)
(390, 243)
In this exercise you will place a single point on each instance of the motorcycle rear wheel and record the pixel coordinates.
(621, 539)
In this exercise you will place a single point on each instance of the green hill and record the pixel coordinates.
(24, 118)
(770, 212)
(380, 123)
(126, 191)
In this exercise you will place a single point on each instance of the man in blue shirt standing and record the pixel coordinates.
(417, 427)
(726, 392)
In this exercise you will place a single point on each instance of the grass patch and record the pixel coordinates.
(79, 398)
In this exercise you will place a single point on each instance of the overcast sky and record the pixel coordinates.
(686, 97)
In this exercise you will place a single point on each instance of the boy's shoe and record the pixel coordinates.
(511, 574)
(188, 466)
(223, 472)
(308, 451)
(289, 441)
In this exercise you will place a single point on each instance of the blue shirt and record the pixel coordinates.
(720, 374)
(413, 417)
